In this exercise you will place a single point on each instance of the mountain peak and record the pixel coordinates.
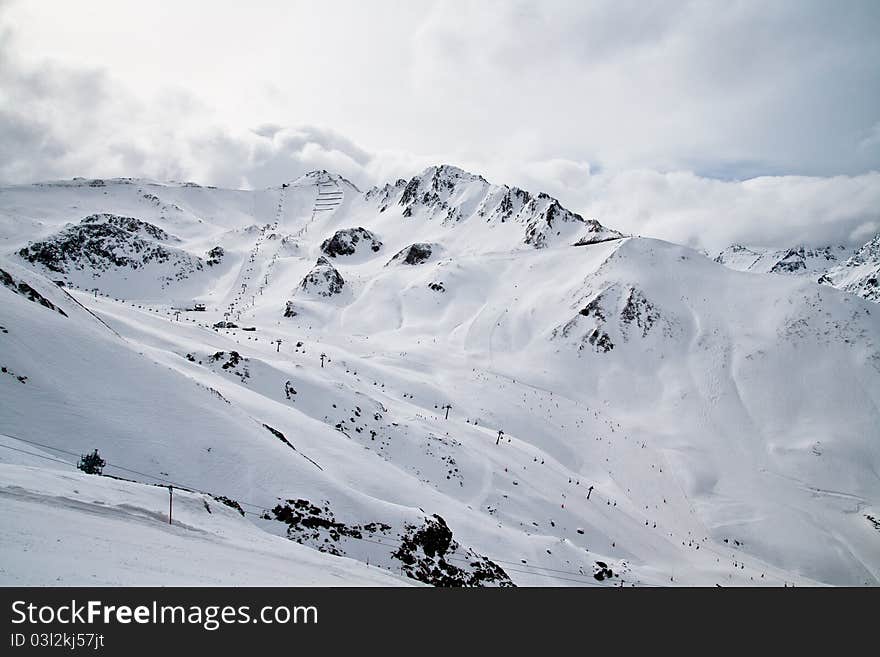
(450, 172)
(451, 196)
(321, 177)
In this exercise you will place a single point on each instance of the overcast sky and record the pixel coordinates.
(700, 122)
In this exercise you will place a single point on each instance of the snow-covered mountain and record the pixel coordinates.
(448, 195)
(838, 266)
(797, 260)
(860, 273)
(456, 382)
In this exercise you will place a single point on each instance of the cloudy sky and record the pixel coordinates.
(700, 122)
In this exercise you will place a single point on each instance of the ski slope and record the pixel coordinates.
(727, 422)
(66, 528)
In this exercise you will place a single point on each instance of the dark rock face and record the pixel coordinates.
(594, 309)
(601, 341)
(289, 310)
(640, 311)
(791, 263)
(280, 436)
(433, 186)
(345, 242)
(323, 280)
(543, 223)
(131, 225)
(426, 552)
(623, 312)
(101, 242)
(601, 571)
(215, 256)
(29, 293)
(513, 199)
(414, 254)
(597, 233)
(597, 337)
(410, 192)
(21, 378)
(317, 526)
(234, 363)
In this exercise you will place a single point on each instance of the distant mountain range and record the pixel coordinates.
(854, 271)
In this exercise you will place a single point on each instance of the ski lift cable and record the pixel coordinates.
(41, 456)
(397, 545)
(264, 508)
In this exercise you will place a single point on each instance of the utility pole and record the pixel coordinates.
(170, 500)
(278, 342)
(500, 433)
(323, 356)
(589, 492)
(447, 407)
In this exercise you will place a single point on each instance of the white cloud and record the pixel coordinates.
(770, 210)
(709, 213)
(642, 116)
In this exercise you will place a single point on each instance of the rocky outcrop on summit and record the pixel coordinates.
(549, 220)
(414, 254)
(323, 280)
(596, 233)
(103, 242)
(132, 225)
(349, 241)
(452, 196)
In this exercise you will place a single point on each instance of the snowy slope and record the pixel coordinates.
(727, 422)
(63, 527)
